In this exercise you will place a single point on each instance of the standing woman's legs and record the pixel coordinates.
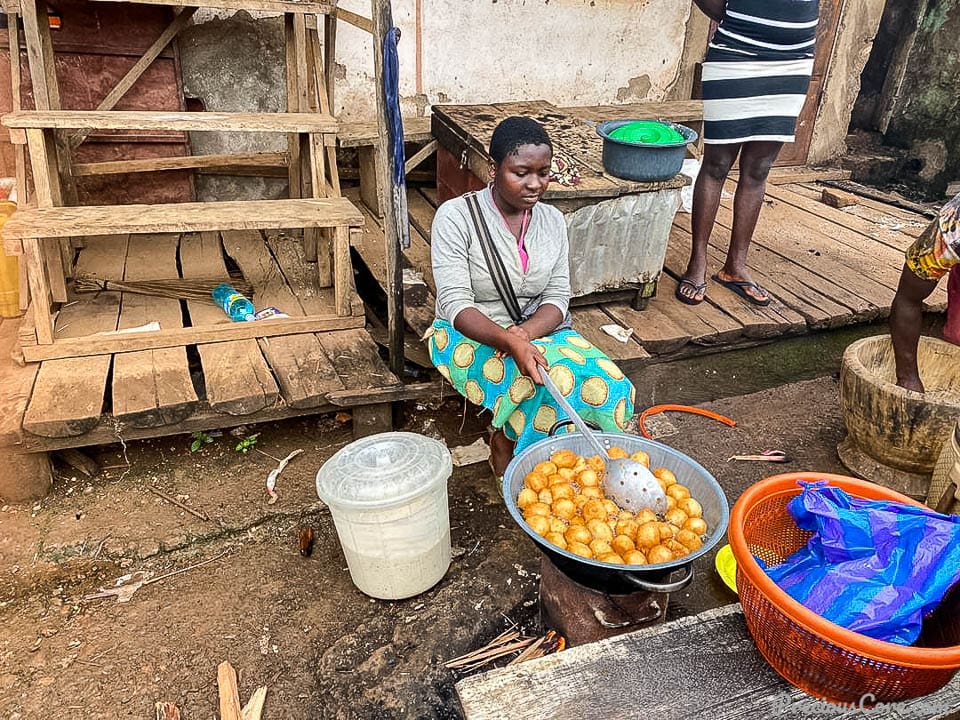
(716, 163)
(755, 161)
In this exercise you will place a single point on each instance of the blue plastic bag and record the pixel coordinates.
(872, 566)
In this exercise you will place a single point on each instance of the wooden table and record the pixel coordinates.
(618, 228)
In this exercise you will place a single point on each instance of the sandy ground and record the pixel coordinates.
(297, 624)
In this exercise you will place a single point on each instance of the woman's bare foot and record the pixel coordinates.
(501, 452)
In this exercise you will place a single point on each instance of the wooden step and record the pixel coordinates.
(184, 121)
(62, 222)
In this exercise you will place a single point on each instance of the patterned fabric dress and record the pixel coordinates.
(937, 252)
(757, 70)
(590, 381)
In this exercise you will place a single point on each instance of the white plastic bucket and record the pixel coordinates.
(387, 495)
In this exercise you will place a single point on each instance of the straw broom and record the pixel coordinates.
(177, 288)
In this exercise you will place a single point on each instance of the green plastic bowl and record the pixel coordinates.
(647, 132)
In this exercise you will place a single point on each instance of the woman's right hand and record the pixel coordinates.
(528, 358)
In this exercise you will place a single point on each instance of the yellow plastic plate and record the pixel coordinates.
(727, 567)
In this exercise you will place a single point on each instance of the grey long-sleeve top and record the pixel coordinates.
(461, 273)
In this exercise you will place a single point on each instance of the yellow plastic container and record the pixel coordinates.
(9, 272)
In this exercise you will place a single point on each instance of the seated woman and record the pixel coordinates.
(475, 343)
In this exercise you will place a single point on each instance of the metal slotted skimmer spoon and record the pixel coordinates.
(627, 482)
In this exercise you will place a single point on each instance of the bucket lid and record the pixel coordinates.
(383, 470)
(647, 132)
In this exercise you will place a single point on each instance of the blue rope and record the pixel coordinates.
(391, 88)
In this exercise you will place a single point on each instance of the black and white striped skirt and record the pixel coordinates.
(751, 100)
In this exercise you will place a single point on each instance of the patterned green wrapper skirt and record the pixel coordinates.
(591, 382)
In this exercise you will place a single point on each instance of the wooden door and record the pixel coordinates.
(796, 153)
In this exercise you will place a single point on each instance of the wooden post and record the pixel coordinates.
(26, 476)
(382, 15)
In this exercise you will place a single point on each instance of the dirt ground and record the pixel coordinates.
(297, 624)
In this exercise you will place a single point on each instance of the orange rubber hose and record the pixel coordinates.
(656, 409)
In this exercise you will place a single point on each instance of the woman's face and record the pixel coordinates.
(522, 178)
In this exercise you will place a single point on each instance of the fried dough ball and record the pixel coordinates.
(678, 549)
(689, 539)
(617, 453)
(578, 533)
(593, 509)
(646, 515)
(667, 531)
(597, 464)
(568, 474)
(592, 492)
(557, 539)
(627, 527)
(580, 549)
(671, 502)
(665, 474)
(641, 457)
(696, 525)
(691, 507)
(526, 498)
(562, 490)
(675, 517)
(600, 530)
(537, 508)
(564, 458)
(678, 492)
(588, 478)
(577, 520)
(624, 515)
(535, 481)
(545, 468)
(610, 557)
(648, 535)
(545, 496)
(600, 547)
(611, 507)
(539, 524)
(635, 557)
(580, 500)
(556, 479)
(564, 508)
(622, 544)
(659, 554)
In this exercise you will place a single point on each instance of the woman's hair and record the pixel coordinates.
(515, 132)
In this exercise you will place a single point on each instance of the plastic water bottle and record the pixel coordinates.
(233, 303)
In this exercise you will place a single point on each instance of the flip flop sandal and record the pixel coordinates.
(697, 289)
(740, 288)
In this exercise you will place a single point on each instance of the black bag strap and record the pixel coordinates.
(498, 272)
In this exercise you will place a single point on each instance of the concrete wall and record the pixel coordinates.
(925, 107)
(568, 51)
(571, 52)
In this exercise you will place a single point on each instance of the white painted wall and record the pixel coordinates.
(570, 52)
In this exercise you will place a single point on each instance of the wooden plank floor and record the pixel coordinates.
(824, 267)
(99, 399)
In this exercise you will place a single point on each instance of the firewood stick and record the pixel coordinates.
(229, 696)
(176, 502)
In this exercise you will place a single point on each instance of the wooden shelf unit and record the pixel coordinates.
(52, 228)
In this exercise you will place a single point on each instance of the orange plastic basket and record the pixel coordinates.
(818, 656)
